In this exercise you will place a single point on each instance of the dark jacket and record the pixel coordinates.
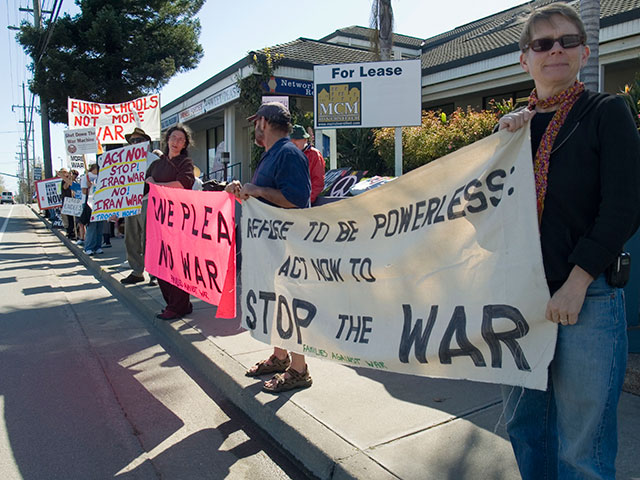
(592, 206)
(178, 168)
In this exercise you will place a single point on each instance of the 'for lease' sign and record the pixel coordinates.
(368, 94)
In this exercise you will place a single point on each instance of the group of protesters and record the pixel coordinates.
(90, 235)
(585, 149)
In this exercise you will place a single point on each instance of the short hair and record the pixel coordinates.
(187, 133)
(280, 127)
(545, 13)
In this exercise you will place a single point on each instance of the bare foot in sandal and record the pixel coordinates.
(289, 380)
(273, 364)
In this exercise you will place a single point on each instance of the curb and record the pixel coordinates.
(320, 451)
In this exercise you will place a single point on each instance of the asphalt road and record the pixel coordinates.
(87, 392)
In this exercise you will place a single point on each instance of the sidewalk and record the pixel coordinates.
(353, 422)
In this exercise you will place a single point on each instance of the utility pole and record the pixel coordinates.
(26, 140)
(44, 110)
(21, 190)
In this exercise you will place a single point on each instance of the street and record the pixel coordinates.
(88, 392)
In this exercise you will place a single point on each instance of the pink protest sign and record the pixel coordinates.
(191, 244)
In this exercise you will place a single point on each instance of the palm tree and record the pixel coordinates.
(590, 73)
(382, 24)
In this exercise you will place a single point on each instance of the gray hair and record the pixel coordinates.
(545, 14)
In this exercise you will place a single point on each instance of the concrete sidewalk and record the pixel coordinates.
(353, 422)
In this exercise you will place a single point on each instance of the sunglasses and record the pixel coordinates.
(135, 140)
(546, 44)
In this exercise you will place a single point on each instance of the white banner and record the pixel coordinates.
(120, 183)
(72, 206)
(114, 120)
(368, 94)
(81, 141)
(438, 273)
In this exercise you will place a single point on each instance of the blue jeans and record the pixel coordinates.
(93, 237)
(570, 430)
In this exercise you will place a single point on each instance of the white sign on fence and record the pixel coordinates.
(368, 94)
(438, 273)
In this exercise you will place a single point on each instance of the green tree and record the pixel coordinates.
(356, 149)
(252, 89)
(112, 51)
(631, 95)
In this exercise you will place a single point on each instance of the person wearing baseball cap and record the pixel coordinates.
(300, 139)
(281, 179)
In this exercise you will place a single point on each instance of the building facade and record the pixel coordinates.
(467, 66)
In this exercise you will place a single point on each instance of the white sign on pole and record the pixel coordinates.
(120, 183)
(438, 273)
(72, 206)
(81, 141)
(113, 120)
(49, 192)
(368, 94)
(77, 162)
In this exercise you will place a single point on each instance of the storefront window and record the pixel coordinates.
(215, 147)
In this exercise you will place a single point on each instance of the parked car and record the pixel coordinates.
(7, 197)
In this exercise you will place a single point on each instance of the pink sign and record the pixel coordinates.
(191, 244)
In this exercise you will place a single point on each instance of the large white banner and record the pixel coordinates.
(438, 273)
(368, 94)
(114, 120)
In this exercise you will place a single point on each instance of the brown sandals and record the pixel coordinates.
(271, 365)
(289, 380)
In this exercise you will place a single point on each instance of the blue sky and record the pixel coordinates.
(229, 30)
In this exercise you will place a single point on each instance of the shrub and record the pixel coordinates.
(631, 94)
(356, 149)
(437, 136)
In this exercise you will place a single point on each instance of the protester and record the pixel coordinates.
(135, 226)
(67, 192)
(93, 235)
(587, 172)
(300, 139)
(174, 169)
(281, 179)
(76, 188)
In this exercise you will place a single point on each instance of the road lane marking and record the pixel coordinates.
(4, 225)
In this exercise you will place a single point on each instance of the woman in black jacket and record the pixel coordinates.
(586, 163)
(174, 169)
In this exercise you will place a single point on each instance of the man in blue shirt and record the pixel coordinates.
(281, 179)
